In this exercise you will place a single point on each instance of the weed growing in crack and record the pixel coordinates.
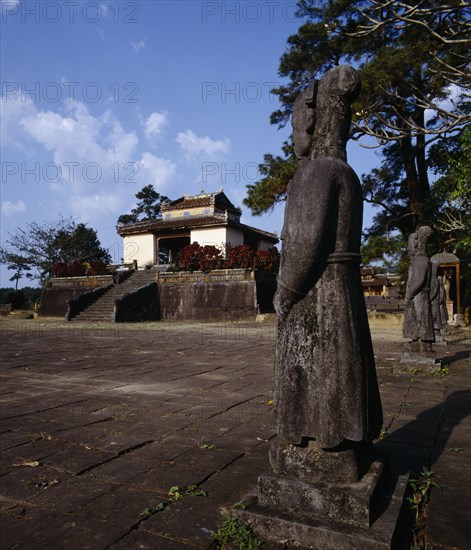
(414, 372)
(208, 446)
(235, 533)
(383, 434)
(175, 493)
(441, 372)
(421, 489)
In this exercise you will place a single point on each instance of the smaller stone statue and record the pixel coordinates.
(442, 306)
(438, 304)
(418, 319)
(434, 298)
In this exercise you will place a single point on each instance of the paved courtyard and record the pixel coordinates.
(100, 422)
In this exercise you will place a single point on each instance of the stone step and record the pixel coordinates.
(102, 309)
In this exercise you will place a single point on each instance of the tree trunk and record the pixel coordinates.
(416, 202)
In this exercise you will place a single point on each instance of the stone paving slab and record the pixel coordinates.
(99, 422)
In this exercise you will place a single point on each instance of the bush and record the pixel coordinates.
(60, 270)
(195, 257)
(79, 269)
(240, 257)
(267, 260)
(97, 267)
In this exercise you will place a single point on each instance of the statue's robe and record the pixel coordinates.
(418, 318)
(325, 381)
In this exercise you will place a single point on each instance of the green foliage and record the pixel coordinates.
(148, 207)
(421, 489)
(39, 247)
(177, 493)
(388, 250)
(276, 172)
(407, 67)
(451, 193)
(236, 533)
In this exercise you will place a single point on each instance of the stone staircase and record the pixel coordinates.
(102, 309)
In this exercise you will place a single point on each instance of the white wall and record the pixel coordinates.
(140, 248)
(215, 236)
(234, 236)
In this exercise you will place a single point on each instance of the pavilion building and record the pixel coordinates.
(207, 218)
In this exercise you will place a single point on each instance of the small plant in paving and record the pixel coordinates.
(458, 450)
(42, 435)
(155, 509)
(175, 493)
(418, 501)
(237, 534)
(414, 372)
(208, 446)
(383, 434)
(442, 372)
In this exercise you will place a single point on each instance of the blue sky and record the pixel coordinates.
(99, 99)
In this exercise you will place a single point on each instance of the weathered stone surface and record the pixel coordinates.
(325, 380)
(318, 533)
(420, 358)
(327, 404)
(220, 295)
(418, 319)
(89, 385)
(343, 503)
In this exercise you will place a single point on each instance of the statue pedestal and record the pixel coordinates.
(440, 340)
(322, 515)
(424, 358)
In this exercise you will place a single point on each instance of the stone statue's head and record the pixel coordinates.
(417, 243)
(322, 114)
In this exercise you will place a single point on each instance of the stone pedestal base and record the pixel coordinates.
(325, 516)
(424, 358)
(440, 340)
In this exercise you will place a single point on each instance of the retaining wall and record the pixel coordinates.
(55, 298)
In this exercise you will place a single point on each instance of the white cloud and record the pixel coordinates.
(13, 109)
(159, 172)
(89, 208)
(154, 124)
(138, 45)
(90, 162)
(194, 146)
(10, 208)
(84, 139)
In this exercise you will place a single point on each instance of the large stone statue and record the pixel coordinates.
(418, 318)
(325, 482)
(326, 392)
